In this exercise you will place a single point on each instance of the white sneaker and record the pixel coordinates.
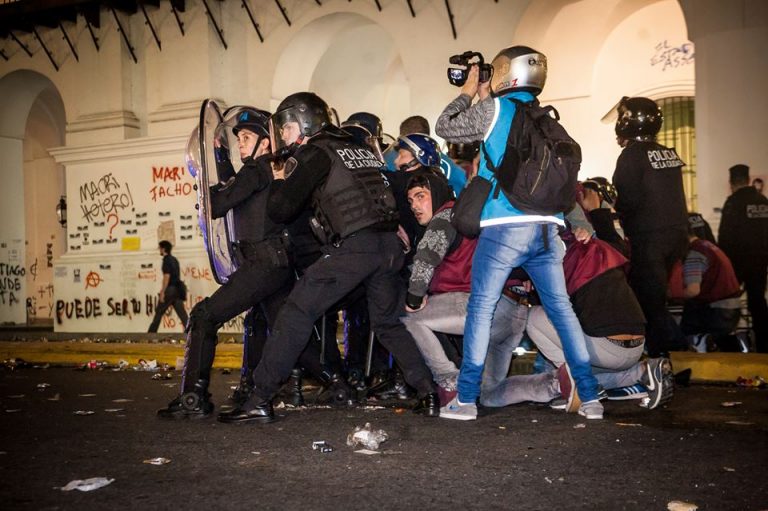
(591, 410)
(459, 411)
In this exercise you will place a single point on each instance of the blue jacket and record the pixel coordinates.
(498, 211)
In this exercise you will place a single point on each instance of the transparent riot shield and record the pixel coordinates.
(209, 161)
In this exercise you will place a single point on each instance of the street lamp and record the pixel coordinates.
(61, 211)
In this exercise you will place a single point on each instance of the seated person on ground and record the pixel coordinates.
(438, 289)
(707, 284)
(613, 325)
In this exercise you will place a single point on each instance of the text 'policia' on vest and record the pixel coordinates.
(355, 195)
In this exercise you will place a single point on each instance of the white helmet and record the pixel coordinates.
(518, 68)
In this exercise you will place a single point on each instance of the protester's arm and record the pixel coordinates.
(431, 251)
(694, 267)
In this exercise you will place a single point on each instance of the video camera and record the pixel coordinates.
(458, 75)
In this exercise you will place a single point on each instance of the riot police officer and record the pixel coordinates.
(651, 204)
(355, 217)
(263, 276)
(743, 236)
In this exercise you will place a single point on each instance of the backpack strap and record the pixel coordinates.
(513, 136)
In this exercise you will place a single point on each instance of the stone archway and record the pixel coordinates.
(350, 61)
(33, 121)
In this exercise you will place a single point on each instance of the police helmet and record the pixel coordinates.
(253, 120)
(307, 109)
(424, 149)
(518, 68)
(639, 119)
(369, 121)
(603, 187)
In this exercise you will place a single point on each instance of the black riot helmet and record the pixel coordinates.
(366, 129)
(639, 119)
(603, 187)
(252, 119)
(369, 121)
(305, 108)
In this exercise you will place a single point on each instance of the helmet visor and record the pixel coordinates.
(284, 128)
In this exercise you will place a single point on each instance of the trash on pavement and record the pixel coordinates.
(679, 505)
(322, 446)
(114, 410)
(629, 424)
(367, 451)
(757, 382)
(42, 386)
(146, 365)
(94, 483)
(122, 400)
(580, 425)
(94, 364)
(729, 469)
(730, 404)
(157, 461)
(86, 395)
(161, 376)
(367, 437)
(83, 412)
(740, 423)
(16, 363)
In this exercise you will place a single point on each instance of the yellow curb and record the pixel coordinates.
(77, 353)
(705, 367)
(721, 367)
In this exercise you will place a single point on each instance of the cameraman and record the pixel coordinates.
(510, 238)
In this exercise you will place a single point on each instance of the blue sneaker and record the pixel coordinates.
(636, 391)
(459, 411)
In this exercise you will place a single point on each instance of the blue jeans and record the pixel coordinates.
(500, 249)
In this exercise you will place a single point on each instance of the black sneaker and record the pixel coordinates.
(187, 406)
(659, 381)
(636, 391)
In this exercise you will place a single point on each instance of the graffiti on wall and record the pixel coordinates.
(103, 197)
(671, 57)
(169, 182)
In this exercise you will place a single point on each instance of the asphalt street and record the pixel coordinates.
(527, 457)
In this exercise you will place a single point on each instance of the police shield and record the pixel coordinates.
(208, 160)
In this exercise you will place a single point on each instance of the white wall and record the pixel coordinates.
(124, 118)
(122, 199)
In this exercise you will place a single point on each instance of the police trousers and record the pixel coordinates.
(371, 258)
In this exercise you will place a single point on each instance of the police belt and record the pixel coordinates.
(262, 251)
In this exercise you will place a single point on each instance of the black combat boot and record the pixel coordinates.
(392, 389)
(190, 405)
(241, 392)
(297, 396)
(336, 391)
(428, 405)
(253, 410)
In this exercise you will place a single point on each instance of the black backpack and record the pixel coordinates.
(538, 171)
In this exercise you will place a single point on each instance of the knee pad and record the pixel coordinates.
(200, 319)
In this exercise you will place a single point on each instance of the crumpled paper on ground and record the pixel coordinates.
(94, 483)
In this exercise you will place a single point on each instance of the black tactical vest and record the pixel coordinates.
(355, 195)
